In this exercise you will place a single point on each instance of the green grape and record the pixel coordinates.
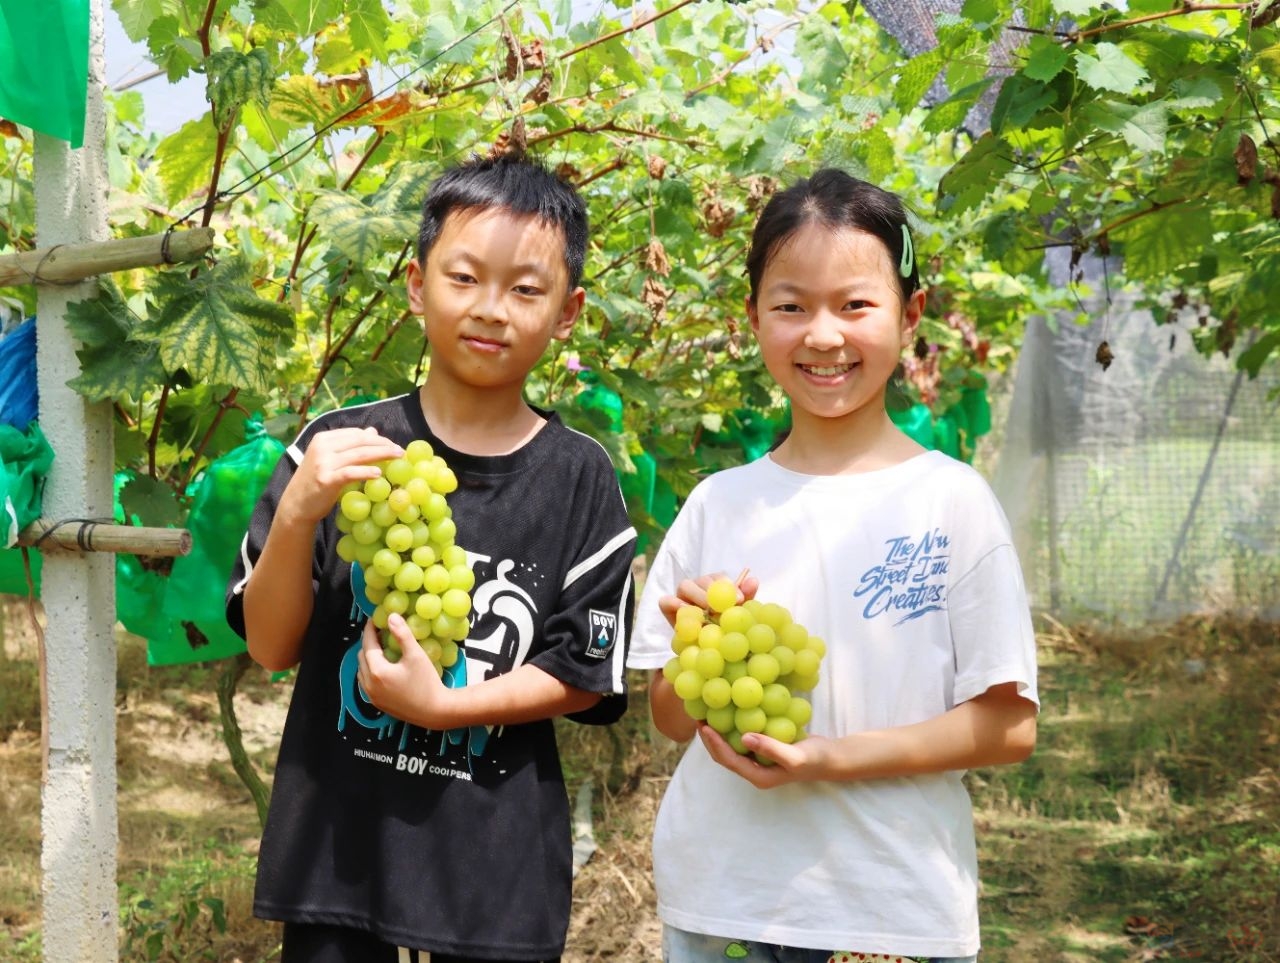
(747, 692)
(372, 577)
(444, 531)
(750, 719)
(408, 577)
(409, 515)
(417, 450)
(377, 489)
(671, 669)
(689, 657)
(793, 636)
(802, 683)
(383, 514)
(734, 738)
(696, 708)
(419, 490)
(781, 728)
(379, 616)
(461, 630)
(421, 533)
(454, 555)
(734, 646)
(434, 507)
(399, 500)
(434, 649)
(736, 618)
(342, 523)
(443, 626)
(807, 662)
(763, 666)
(456, 603)
(366, 531)
(754, 606)
(386, 562)
(375, 593)
(427, 605)
(420, 627)
(799, 711)
(733, 671)
(445, 481)
(761, 638)
(351, 486)
(721, 719)
(774, 615)
(355, 505)
(346, 548)
(461, 577)
(709, 636)
(450, 654)
(721, 595)
(391, 648)
(716, 692)
(710, 663)
(398, 471)
(399, 538)
(688, 684)
(815, 644)
(436, 579)
(396, 601)
(785, 657)
(365, 553)
(424, 556)
(776, 699)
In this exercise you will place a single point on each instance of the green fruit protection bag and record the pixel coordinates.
(193, 603)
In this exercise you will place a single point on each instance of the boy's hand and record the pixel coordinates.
(694, 592)
(798, 762)
(409, 689)
(333, 459)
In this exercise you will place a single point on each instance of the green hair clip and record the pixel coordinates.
(908, 262)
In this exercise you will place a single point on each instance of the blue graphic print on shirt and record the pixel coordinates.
(911, 581)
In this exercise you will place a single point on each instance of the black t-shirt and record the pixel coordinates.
(458, 841)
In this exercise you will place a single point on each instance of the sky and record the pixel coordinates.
(168, 106)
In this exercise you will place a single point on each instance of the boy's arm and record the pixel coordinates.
(411, 691)
(995, 728)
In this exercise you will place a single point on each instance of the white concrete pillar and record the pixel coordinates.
(78, 855)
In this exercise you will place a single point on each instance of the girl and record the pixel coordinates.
(859, 838)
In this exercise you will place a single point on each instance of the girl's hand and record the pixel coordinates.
(409, 689)
(694, 592)
(333, 459)
(799, 762)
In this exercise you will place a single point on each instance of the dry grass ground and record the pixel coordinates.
(1146, 826)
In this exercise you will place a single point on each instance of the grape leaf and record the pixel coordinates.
(368, 23)
(151, 501)
(1143, 126)
(1045, 59)
(112, 362)
(185, 158)
(363, 229)
(216, 327)
(819, 50)
(234, 78)
(1112, 69)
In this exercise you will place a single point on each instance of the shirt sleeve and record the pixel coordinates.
(651, 640)
(991, 628)
(256, 536)
(587, 634)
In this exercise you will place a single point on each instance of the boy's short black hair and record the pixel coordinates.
(520, 185)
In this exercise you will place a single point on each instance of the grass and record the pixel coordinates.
(1146, 825)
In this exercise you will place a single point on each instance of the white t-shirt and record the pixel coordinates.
(910, 576)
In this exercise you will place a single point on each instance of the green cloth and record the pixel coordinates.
(44, 65)
(25, 459)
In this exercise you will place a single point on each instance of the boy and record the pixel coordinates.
(408, 816)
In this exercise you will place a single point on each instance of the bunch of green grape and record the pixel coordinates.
(398, 529)
(739, 667)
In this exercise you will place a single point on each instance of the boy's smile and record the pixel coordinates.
(492, 294)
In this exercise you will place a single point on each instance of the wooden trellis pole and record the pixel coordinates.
(64, 263)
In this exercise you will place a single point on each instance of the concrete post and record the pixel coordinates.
(78, 857)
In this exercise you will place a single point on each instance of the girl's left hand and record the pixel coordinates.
(798, 762)
(410, 690)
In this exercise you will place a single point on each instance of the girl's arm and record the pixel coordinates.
(995, 728)
(667, 710)
(411, 691)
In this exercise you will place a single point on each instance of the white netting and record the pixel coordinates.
(1146, 491)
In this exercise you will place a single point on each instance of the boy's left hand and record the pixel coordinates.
(797, 762)
(409, 689)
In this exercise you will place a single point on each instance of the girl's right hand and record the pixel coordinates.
(334, 459)
(694, 592)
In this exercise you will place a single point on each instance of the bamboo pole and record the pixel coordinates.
(90, 536)
(65, 263)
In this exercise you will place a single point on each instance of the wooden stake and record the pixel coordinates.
(89, 536)
(66, 263)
